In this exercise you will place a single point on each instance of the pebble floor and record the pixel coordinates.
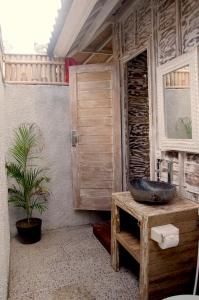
(67, 264)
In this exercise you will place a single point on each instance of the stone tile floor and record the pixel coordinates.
(67, 264)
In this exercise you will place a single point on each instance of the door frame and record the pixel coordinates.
(124, 108)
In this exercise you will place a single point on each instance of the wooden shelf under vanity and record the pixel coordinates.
(130, 243)
(166, 272)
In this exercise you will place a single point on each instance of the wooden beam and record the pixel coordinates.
(105, 26)
(88, 59)
(75, 20)
(98, 50)
(109, 59)
(75, 49)
(93, 55)
(103, 52)
(106, 10)
(106, 41)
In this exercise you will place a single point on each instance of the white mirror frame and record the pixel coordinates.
(165, 143)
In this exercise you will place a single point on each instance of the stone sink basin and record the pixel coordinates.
(154, 192)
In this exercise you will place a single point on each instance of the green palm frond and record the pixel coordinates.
(25, 140)
(16, 197)
(33, 180)
(17, 202)
(40, 206)
(14, 191)
(31, 192)
(15, 171)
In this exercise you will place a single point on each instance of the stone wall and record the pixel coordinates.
(48, 107)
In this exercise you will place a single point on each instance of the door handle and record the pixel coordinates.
(74, 138)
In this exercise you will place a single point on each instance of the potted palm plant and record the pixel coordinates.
(28, 190)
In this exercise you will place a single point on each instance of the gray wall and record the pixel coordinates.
(4, 224)
(48, 107)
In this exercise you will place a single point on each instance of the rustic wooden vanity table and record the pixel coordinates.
(162, 272)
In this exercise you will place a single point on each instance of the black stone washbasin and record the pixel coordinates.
(153, 192)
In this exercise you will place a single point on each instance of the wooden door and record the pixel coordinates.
(96, 135)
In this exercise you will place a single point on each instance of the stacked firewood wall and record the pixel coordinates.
(138, 117)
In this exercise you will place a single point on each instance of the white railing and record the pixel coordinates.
(34, 69)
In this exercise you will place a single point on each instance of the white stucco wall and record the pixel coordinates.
(4, 223)
(48, 107)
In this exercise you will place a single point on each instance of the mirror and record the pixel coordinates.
(177, 104)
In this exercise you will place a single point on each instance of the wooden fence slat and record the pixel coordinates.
(33, 76)
(58, 73)
(53, 73)
(39, 71)
(62, 73)
(48, 73)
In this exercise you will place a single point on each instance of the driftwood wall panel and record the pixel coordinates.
(189, 24)
(115, 41)
(143, 24)
(138, 117)
(166, 30)
(191, 175)
(136, 28)
(128, 34)
(174, 28)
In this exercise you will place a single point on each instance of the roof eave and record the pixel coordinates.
(73, 22)
(59, 22)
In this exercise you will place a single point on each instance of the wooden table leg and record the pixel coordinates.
(144, 260)
(115, 228)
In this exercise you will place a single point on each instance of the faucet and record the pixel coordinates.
(170, 171)
(158, 171)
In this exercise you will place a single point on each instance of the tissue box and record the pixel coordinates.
(166, 236)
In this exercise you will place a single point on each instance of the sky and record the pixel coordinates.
(25, 22)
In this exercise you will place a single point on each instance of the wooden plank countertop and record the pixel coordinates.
(140, 210)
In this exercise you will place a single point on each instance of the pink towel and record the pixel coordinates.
(69, 61)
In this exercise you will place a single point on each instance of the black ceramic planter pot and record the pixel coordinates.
(29, 233)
